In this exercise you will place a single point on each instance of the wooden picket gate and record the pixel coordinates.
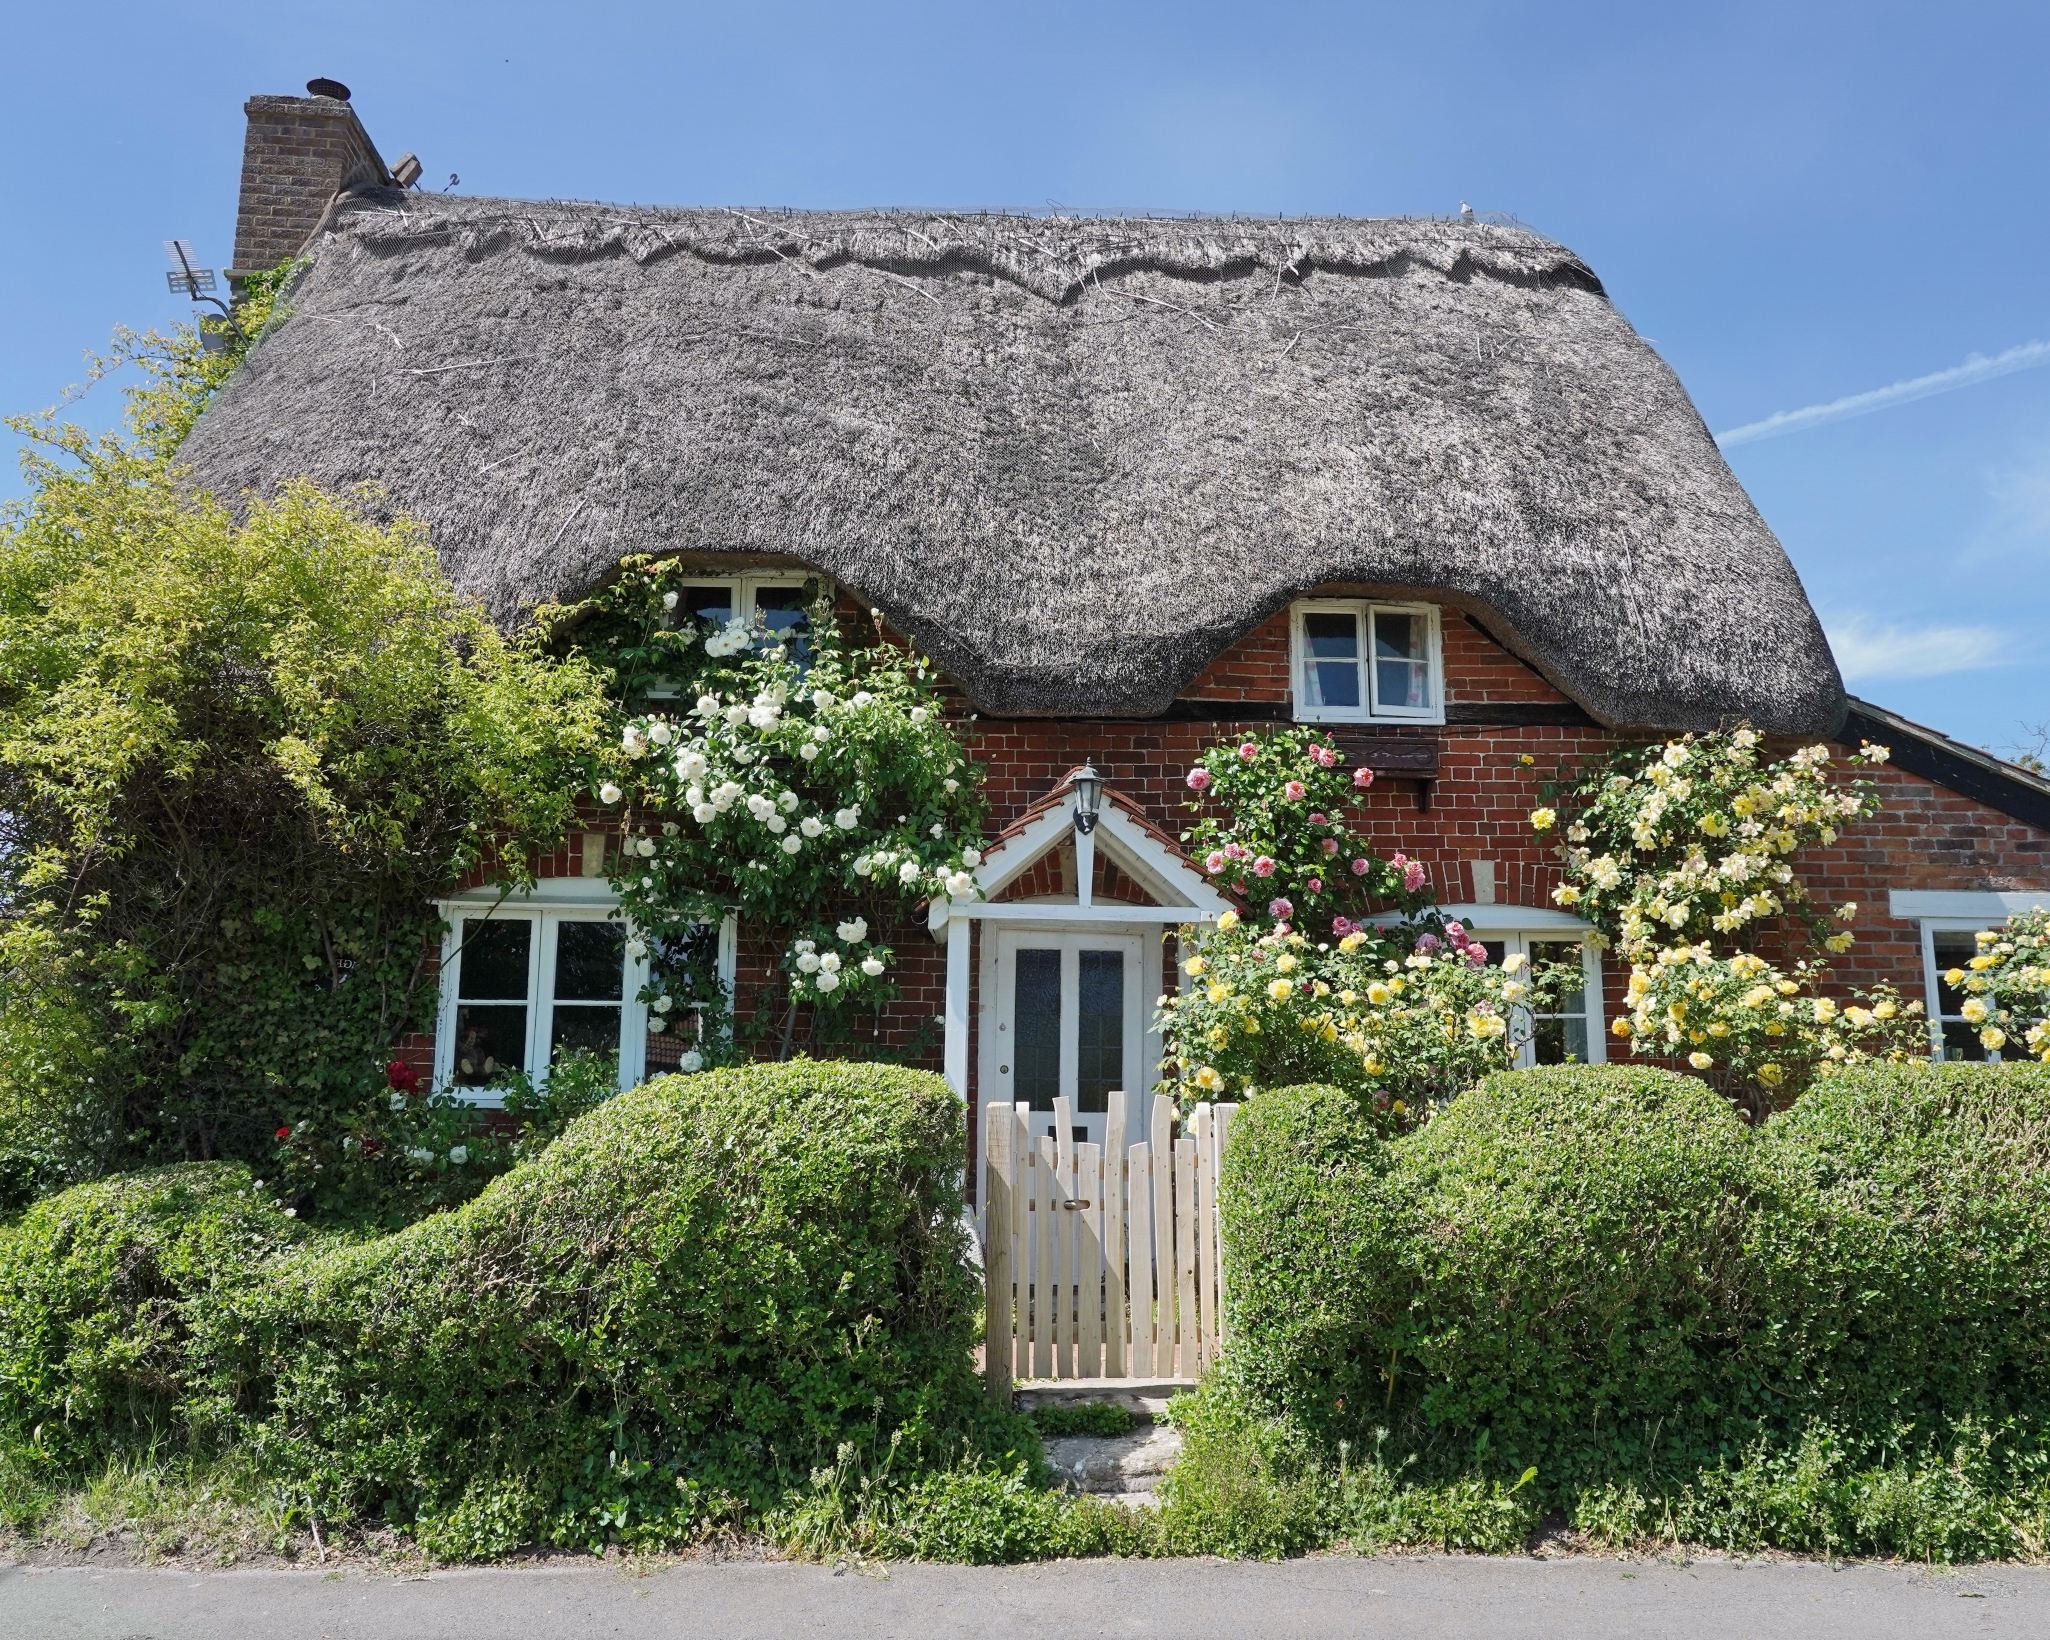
(1102, 1261)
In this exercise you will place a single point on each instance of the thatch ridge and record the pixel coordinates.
(1073, 458)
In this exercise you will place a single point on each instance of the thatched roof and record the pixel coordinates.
(1072, 459)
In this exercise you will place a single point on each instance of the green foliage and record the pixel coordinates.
(238, 755)
(810, 785)
(102, 1291)
(2006, 985)
(1086, 1418)
(1604, 1274)
(659, 1324)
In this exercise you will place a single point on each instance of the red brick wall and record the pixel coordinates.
(297, 154)
(1477, 809)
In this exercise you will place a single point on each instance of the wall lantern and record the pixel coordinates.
(1088, 786)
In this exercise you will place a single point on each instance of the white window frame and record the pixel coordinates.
(1516, 927)
(1932, 995)
(1370, 709)
(551, 902)
(745, 586)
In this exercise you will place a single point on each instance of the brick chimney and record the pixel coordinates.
(298, 154)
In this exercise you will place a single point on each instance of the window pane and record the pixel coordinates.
(492, 961)
(1543, 953)
(1402, 667)
(574, 1027)
(590, 960)
(784, 613)
(1961, 1041)
(1557, 1039)
(1100, 1030)
(1036, 1020)
(1952, 951)
(1332, 677)
(713, 606)
(489, 1042)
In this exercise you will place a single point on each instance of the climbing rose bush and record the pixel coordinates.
(1683, 854)
(2007, 985)
(1273, 828)
(1407, 1018)
(813, 788)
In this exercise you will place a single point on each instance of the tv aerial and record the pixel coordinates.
(186, 278)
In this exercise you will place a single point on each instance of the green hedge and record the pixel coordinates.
(100, 1291)
(1602, 1271)
(662, 1323)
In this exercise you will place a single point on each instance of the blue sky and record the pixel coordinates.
(1797, 202)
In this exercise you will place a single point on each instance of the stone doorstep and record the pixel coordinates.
(1115, 1465)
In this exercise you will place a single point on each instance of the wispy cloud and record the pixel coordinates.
(1871, 651)
(1978, 368)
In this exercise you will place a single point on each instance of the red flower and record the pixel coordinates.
(284, 1133)
(401, 1077)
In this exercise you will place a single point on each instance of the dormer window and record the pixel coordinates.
(775, 606)
(1358, 661)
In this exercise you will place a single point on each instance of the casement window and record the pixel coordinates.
(1948, 945)
(1356, 661)
(1570, 1031)
(525, 980)
(1949, 918)
(776, 605)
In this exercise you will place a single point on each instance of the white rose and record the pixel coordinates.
(806, 945)
(953, 786)
(872, 966)
(807, 751)
(792, 843)
(632, 741)
(863, 866)
(690, 763)
(863, 698)
(420, 1154)
(919, 714)
(708, 706)
(609, 793)
(821, 699)
(691, 1061)
(670, 828)
(458, 1154)
(777, 824)
(657, 1024)
(852, 931)
(937, 831)
(908, 872)
(811, 825)
(847, 819)
(960, 884)
(645, 848)
(668, 600)
(704, 814)
(663, 1004)
(971, 856)
(636, 949)
(828, 982)
(821, 733)
(788, 802)
(808, 962)
(398, 1100)
(660, 733)
(830, 963)
(736, 714)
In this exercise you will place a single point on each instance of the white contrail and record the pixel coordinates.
(1977, 368)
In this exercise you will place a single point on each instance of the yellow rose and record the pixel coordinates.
(1772, 1074)
(1974, 1010)
(1566, 894)
(1284, 964)
(1218, 991)
(1621, 1027)
(1379, 995)
(1700, 1061)
(1280, 989)
(1227, 922)
(1196, 967)
(1352, 941)
(1208, 1080)
(1954, 976)
(1993, 1038)
(1542, 819)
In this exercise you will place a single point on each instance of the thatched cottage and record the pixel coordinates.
(1132, 484)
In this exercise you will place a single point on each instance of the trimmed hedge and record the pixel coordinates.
(1601, 1270)
(100, 1288)
(662, 1323)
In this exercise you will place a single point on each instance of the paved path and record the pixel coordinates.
(1419, 1599)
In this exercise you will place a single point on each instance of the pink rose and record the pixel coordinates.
(1330, 847)
(1413, 876)
(1363, 777)
(1340, 927)
(1249, 751)
(1324, 755)
(1295, 791)
(1213, 862)
(1278, 907)
(1361, 867)
(1456, 932)
(1199, 780)
(1477, 956)
(1315, 885)
(1427, 943)
(1263, 867)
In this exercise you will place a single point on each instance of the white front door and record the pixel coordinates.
(1067, 1015)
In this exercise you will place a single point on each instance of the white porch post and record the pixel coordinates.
(960, 937)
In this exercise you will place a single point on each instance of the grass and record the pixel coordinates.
(1105, 1418)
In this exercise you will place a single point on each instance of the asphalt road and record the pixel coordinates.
(1417, 1599)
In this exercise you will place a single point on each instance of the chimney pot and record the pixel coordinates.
(327, 88)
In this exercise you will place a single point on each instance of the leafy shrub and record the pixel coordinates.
(1103, 1418)
(1908, 1263)
(1824, 1334)
(101, 1290)
(662, 1322)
